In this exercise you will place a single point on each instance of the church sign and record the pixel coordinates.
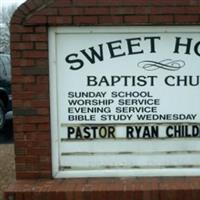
(125, 101)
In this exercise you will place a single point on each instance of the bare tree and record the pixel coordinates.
(5, 17)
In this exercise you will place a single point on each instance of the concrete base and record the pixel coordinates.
(106, 189)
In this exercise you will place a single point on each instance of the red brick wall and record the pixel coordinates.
(29, 43)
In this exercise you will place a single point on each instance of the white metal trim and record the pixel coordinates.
(127, 29)
(130, 173)
(53, 101)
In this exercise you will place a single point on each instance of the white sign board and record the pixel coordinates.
(111, 86)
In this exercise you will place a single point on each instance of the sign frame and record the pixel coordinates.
(55, 135)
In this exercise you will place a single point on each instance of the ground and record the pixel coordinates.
(7, 163)
(7, 166)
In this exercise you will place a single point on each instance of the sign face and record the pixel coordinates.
(113, 89)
